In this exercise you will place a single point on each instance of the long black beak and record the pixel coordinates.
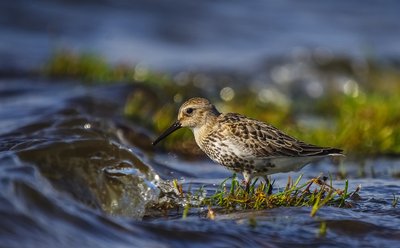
(167, 132)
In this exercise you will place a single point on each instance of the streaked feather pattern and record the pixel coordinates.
(243, 144)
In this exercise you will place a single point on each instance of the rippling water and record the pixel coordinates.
(72, 174)
(179, 33)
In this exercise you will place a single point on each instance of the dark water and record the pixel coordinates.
(179, 33)
(72, 175)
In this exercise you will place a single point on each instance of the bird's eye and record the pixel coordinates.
(189, 111)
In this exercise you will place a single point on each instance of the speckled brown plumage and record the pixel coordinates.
(242, 144)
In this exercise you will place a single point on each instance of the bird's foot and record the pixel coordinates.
(269, 186)
(246, 183)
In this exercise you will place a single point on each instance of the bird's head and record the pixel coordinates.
(193, 113)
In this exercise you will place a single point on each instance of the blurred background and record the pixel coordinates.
(85, 86)
(176, 35)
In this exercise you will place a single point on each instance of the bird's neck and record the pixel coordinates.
(201, 132)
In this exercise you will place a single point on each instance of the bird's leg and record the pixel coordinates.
(247, 179)
(248, 186)
(269, 185)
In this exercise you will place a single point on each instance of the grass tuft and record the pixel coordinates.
(315, 193)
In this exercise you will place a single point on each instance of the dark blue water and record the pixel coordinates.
(189, 34)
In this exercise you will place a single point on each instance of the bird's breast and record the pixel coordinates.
(220, 147)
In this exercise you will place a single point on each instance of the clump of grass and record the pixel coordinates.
(88, 67)
(93, 68)
(314, 193)
(367, 124)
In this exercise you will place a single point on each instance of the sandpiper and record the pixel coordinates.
(244, 145)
